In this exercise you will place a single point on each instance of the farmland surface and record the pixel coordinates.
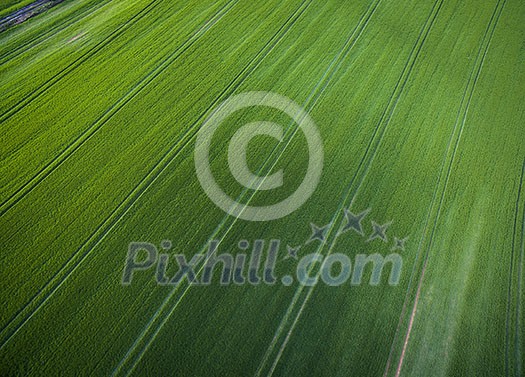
(420, 108)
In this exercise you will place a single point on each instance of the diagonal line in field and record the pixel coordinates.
(518, 342)
(509, 292)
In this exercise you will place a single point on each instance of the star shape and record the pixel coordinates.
(399, 244)
(379, 231)
(318, 233)
(292, 252)
(354, 221)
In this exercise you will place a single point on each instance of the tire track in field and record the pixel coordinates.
(509, 292)
(11, 54)
(67, 269)
(89, 132)
(132, 93)
(76, 63)
(448, 160)
(518, 343)
(311, 100)
(365, 162)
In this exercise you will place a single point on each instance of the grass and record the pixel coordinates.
(421, 119)
(9, 6)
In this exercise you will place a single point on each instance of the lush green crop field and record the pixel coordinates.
(420, 109)
(9, 6)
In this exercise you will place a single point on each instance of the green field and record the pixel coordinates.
(9, 6)
(420, 106)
